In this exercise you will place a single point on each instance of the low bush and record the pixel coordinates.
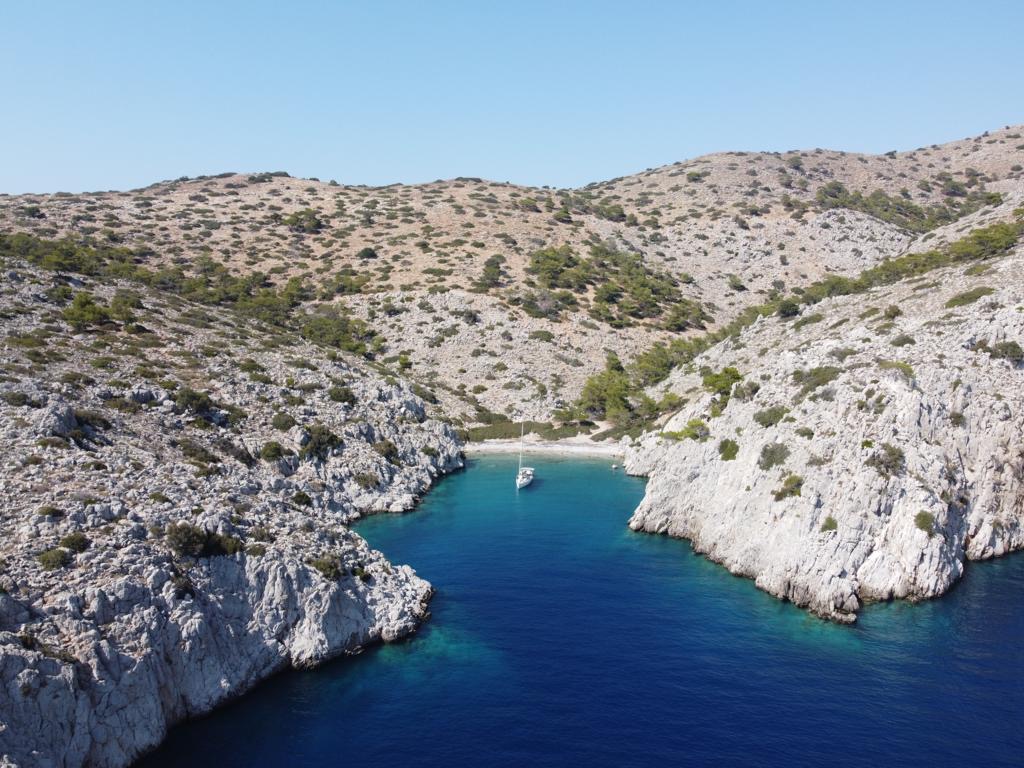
(1007, 350)
(320, 444)
(388, 450)
(341, 394)
(273, 450)
(366, 480)
(75, 542)
(773, 455)
(85, 311)
(790, 487)
(187, 540)
(53, 559)
(815, 378)
(329, 567)
(728, 449)
(969, 297)
(282, 421)
(897, 365)
(769, 417)
(888, 460)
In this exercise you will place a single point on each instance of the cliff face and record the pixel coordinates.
(174, 518)
(137, 655)
(872, 446)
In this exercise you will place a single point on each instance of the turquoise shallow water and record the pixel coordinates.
(559, 637)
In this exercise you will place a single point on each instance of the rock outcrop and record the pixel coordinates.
(871, 447)
(174, 525)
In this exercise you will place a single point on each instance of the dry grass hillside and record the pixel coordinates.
(504, 299)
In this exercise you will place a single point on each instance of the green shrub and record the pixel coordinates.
(331, 327)
(197, 403)
(790, 487)
(695, 429)
(897, 365)
(217, 545)
(388, 450)
(969, 297)
(305, 220)
(815, 378)
(85, 311)
(186, 540)
(806, 320)
(273, 450)
(925, 521)
(302, 499)
(329, 567)
(366, 480)
(769, 417)
(902, 340)
(787, 308)
(728, 449)
(720, 384)
(282, 421)
(542, 335)
(321, 442)
(196, 453)
(1007, 350)
(75, 542)
(773, 455)
(341, 394)
(829, 524)
(52, 559)
(888, 460)
(16, 399)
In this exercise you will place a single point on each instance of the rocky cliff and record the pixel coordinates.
(862, 450)
(174, 518)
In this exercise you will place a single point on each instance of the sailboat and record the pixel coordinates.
(525, 475)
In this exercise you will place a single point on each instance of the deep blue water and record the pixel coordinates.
(559, 637)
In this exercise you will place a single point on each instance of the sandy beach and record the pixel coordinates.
(569, 447)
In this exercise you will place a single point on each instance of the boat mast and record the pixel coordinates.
(522, 426)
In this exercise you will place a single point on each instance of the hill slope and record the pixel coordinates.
(447, 273)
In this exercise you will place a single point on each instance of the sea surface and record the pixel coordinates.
(561, 638)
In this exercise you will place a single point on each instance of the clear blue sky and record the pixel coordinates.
(113, 95)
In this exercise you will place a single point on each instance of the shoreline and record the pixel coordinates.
(563, 447)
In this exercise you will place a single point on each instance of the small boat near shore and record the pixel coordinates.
(525, 474)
